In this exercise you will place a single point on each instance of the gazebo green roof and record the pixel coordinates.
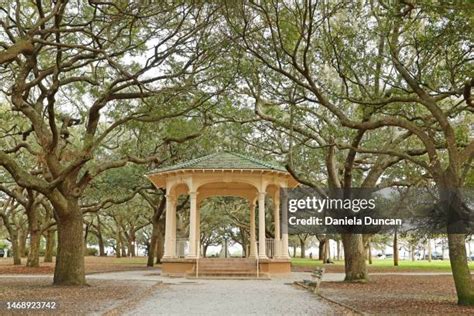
(223, 160)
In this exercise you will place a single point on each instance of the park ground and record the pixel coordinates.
(385, 265)
(123, 285)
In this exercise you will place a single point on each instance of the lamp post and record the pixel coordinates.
(225, 247)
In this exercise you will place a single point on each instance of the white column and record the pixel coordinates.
(284, 246)
(276, 217)
(173, 227)
(192, 224)
(262, 254)
(253, 240)
(284, 231)
(170, 229)
(198, 231)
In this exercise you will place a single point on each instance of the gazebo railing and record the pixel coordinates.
(269, 247)
(182, 247)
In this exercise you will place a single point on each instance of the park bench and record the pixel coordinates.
(317, 277)
(313, 284)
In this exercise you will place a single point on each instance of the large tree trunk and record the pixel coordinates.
(338, 250)
(460, 268)
(303, 248)
(354, 258)
(160, 246)
(22, 236)
(33, 253)
(204, 250)
(124, 249)
(244, 248)
(35, 237)
(328, 250)
(321, 248)
(15, 248)
(395, 249)
(118, 244)
(157, 231)
(69, 269)
(131, 246)
(369, 254)
(12, 231)
(50, 241)
(86, 234)
(325, 254)
(134, 244)
(429, 250)
(101, 245)
(366, 240)
(453, 204)
(152, 247)
(100, 238)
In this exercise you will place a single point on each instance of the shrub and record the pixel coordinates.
(92, 252)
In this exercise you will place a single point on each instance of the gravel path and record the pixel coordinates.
(232, 297)
(180, 296)
(226, 297)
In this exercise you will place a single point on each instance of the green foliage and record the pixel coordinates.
(4, 245)
(92, 252)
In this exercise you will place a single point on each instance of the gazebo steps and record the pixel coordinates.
(229, 268)
(262, 276)
(223, 272)
(227, 260)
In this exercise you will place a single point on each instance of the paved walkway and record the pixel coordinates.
(179, 296)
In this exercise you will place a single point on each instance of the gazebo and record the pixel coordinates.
(225, 174)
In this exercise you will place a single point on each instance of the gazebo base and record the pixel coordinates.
(275, 266)
(232, 267)
(177, 266)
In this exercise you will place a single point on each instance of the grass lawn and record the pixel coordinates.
(381, 265)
